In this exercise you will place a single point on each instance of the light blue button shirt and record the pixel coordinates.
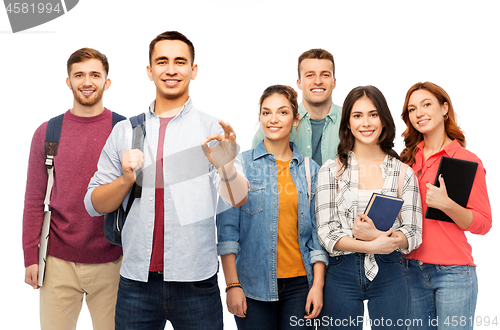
(191, 196)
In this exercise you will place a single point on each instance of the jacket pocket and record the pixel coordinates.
(255, 201)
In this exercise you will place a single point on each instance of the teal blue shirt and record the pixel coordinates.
(302, 136)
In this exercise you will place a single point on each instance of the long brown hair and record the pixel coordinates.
(412, 137)
(386, 138)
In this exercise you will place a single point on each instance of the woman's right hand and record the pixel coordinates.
(236, 302)
(385, 244)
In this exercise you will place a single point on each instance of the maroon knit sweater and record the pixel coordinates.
(74, 235)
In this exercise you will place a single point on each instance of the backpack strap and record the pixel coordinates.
(138, 135)
(117, 118)
(52, 135)
(308, 178)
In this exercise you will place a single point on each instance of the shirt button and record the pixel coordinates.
(308, 147)
(150, 224)
(150, 198)
(148, 250)
(309, 128)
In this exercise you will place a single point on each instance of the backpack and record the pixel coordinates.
(52, 136)
(114, 221)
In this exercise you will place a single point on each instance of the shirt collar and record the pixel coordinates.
(185, 108)
(261, 151)
(448, 151)
(334, 114)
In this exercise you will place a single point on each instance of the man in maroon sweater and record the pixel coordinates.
(80, 261)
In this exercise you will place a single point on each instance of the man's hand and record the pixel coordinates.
(132, 161)
(225, 151)
(31, 276)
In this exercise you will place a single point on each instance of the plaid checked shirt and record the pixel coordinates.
(337, 206)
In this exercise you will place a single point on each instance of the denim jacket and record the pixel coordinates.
(251, 231)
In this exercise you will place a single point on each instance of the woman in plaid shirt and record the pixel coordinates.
(365, 263)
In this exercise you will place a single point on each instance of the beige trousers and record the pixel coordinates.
(67, 283)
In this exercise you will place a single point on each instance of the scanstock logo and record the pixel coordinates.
(25, 14)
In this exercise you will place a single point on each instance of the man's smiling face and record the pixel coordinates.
(88, 81)
(316, 81)
(171, 69)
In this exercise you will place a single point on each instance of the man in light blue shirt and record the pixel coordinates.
(317, 135)
(169, 268)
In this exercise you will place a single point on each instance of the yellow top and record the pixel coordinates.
(289, 260)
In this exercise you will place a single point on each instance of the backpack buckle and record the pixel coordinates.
(49, 162)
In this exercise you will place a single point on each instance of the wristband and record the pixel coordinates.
(233, 285)
(231, 178)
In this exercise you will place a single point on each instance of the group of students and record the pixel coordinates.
(295, 247)
(418, 274)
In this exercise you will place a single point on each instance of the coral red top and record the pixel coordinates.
(444, 243)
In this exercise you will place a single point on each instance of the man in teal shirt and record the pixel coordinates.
(317, 135)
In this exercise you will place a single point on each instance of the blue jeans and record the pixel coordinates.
(347, 287)
(441, 296)
(287, 313)
(187, 305)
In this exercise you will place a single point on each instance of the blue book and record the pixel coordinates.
(383, 210)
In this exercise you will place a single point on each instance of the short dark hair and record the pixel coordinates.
(171, 35)
(316, 53)
(84, 54)
(386, 138)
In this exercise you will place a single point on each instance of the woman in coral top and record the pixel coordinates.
(273, 263)
(441, 273)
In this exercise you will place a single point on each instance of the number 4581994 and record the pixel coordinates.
(455, 321)
(25, 8)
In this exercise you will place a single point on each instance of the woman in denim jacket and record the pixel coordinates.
(273, 263)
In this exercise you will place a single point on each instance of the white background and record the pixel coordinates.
(241, 48)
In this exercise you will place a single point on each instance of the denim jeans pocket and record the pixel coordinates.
(255, 201)
(456, 269)
(335, 261)
(394, 257)
(128, 282)
(207, 285)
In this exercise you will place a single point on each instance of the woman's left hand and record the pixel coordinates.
(437, 197)
(314, 302)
